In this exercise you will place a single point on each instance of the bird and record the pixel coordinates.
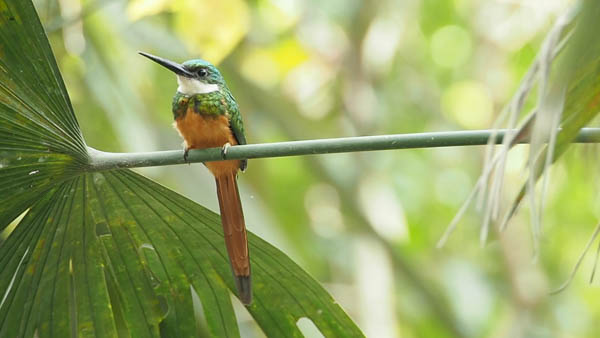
(206, 116)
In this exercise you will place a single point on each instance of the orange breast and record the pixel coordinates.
(205, 131)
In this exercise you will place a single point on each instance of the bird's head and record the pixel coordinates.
(195, 76)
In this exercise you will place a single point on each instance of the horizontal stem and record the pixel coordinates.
(103, 160)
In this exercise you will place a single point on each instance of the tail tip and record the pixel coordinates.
(244, 287)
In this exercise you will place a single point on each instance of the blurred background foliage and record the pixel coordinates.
(363, 224)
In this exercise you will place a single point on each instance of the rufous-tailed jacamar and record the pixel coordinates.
(206, 116)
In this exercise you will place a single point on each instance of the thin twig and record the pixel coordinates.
(100, 160)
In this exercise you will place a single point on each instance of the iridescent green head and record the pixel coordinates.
(195, 76)
(204, 71)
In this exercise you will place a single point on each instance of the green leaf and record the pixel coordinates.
(113, 253)
(41, 142)
(121, 231)
(577, 80)
(567, 72)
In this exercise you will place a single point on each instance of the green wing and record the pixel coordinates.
(237, 125)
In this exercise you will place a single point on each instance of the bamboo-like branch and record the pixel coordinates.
(105, 161)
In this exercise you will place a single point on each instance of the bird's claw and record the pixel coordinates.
(224, 150)
(185, 155)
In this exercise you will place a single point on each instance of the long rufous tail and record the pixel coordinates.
(234, 228)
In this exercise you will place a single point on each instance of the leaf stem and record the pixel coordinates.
(105, 161)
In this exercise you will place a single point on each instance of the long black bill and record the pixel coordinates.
(173, 66)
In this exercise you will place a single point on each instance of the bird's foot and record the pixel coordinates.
(224, 150)
(186, 152)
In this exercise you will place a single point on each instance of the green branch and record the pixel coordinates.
(104, 161)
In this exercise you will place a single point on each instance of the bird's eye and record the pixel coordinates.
(202, 72)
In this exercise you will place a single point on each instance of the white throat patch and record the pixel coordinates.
(189, 86)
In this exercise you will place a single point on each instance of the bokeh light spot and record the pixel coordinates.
(259, 67)
(468, 103)
(450, 46)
